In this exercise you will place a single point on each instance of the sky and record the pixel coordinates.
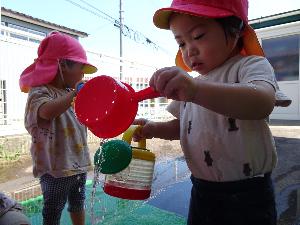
(104, 37)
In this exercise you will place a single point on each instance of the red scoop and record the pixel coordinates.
(108, 107)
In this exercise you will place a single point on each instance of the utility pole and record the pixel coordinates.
(121, 45)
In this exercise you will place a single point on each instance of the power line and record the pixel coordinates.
(104, 16)
(134, 35)
(93, 7)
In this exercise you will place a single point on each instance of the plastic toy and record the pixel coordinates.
(113, 156)
(108, 107)
(135, 181)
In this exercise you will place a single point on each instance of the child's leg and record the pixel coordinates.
(78, 218)
(55, 197)
(202, 209)
(257, 206)
(76, 199)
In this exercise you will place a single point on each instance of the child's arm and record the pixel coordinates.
(251, 101)
(165, 130)
(242, 101)
(56, 107)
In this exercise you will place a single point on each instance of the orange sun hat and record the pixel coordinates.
(211, 9)
(54, 47)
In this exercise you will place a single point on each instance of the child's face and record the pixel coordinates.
(73, 74)
(202, 42)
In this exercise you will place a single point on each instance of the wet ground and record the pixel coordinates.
(171, 185)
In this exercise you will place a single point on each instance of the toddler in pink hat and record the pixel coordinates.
(220, 113)
(59, 147)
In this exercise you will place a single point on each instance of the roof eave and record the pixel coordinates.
(39, 22)
(277, 19)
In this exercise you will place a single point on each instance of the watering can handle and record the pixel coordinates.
(127, 136)
(146, 93)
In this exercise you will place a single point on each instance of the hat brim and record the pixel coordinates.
(161, 16)
(31, 76)
(251, 45)
(88, 67)
(180, 62)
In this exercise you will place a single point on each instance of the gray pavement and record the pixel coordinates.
(286, 175)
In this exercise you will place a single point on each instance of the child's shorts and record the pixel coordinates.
(57, 191)
(245, 202)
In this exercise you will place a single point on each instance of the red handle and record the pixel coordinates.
(146, 93)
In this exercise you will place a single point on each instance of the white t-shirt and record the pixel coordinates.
(59, 146)
(218, 148)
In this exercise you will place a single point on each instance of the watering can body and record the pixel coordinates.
(135, 181)
(107, 106)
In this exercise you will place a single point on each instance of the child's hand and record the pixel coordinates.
(146, 132)
(174, 83)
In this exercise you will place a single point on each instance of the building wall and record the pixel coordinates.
(27, 26)
(16, 54)
(282, 47)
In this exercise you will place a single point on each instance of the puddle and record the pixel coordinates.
(168, 172)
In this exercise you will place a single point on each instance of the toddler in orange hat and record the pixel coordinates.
(220, 115)
(59, 147)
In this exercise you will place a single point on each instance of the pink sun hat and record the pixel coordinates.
(54, 47)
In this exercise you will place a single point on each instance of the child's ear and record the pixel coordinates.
(63, 65)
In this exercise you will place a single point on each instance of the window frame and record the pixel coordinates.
(3, 102)
(280, 31)
(297, 37)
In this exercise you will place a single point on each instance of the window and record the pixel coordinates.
(163, 100)
(3, 103)
(28, 30)
(18, 36)
(283, 54)
(2, 24)
(34, 40)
